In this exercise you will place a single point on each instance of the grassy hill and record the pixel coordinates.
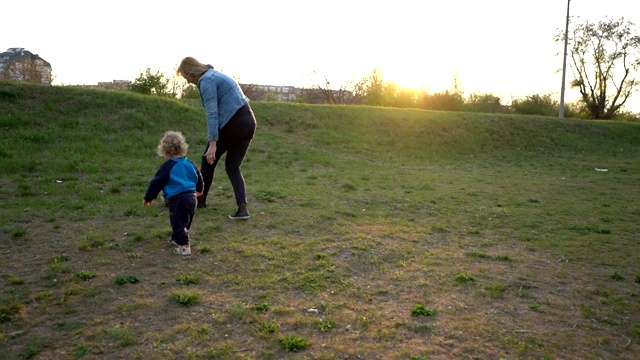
(375, 233)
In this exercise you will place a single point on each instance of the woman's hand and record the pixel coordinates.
(211, 152)
(146, 203)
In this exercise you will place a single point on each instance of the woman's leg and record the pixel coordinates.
(235, 157)
(235, 138)
(241, 131)
(208, 171)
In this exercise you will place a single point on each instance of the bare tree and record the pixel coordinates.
(605, 57)
(341, 96)
(254, 92)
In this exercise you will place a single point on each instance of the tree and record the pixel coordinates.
(152, 84)
(605, 56)
(396, 96)
(252, 91)
(374, 87)
(343, 95)
(190, 91)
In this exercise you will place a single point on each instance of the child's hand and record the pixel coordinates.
(146, 203)
(198, 193)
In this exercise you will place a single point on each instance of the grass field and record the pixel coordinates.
(375, 233)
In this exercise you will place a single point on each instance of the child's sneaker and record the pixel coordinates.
(183, 250)
(172, 242)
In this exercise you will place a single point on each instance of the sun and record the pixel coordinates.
(418, 78)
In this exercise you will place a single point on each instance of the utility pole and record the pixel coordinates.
(564, 62)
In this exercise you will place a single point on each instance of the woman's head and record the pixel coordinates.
(173, 144)
(191, 69)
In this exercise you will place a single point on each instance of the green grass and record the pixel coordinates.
(127, 279)
(499, 222)
(422, 310)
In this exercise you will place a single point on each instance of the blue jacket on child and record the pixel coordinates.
(176, 176)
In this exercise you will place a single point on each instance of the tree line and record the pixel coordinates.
(373, 90)
(605, 58)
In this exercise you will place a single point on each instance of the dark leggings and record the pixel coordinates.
(234, 139)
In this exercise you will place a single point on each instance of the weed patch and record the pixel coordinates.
(422, 310)
(188, 279)
(294, 343)
(463, 278)
(126, 279)
(9, 309)
(185, 298)
(86, 275)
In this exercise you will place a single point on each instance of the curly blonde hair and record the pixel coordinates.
(190, 66)
(173, 144)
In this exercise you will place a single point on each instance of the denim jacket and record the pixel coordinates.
(221, 97)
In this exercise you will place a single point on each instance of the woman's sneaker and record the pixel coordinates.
(239, 215)
(183, 250)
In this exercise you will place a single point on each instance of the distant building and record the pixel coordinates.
(257, 92)
(115, 85)
(22, 65)
(270, 92)
(108, 85)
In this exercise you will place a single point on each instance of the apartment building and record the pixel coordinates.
(22, 65)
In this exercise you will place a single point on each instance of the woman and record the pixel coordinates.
(231, 125)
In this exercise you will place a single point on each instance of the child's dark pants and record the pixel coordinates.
(182, 209)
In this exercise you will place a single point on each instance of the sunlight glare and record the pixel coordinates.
(419, 78)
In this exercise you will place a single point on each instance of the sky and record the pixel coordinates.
(502, 47)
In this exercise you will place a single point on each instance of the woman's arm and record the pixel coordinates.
(209, 95)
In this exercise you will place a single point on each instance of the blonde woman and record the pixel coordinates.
(231, 126)
(180, 182)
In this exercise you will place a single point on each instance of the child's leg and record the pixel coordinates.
(181, 213)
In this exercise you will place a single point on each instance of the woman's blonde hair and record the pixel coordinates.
(173, 144)
(190, 66)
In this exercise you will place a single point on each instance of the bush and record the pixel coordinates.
(536, 105)
(484, 103)
(445, 101)
(627, 116)
(151, 84)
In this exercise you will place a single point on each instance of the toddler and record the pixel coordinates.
(180, 182)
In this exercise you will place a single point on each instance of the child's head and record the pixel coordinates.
(173, 144)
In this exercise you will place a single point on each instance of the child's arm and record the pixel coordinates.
(199, 182)
(158, 183)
